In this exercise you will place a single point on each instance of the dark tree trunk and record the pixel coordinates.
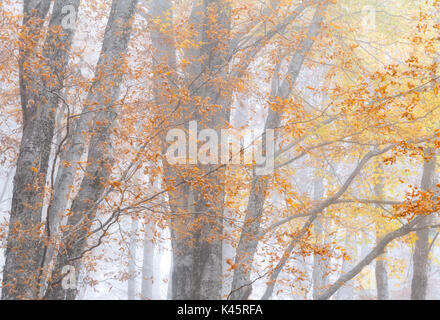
(100, 154)
(419, 283)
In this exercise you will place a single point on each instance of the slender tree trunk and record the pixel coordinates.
(364, 292)
(346, 292)
(381, 278)
(248, 241)
(148, 263)
(228, 254)
(419, 284)
(132, 281)
(319, 278)
(170, 282)
(380, 269)
(100, 154)
(197, 262)
(39, 99)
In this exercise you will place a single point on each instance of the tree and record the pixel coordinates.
(421, 251)
(39, 91)
(105, 92)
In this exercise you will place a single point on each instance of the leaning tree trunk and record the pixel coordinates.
(148, 263)
(419, 284)
(100, 154)
(248, 242)
(381, 278)
(41, 82)
(196, 225)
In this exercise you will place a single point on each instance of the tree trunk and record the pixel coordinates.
(39, 99)
(346, 292)
(373, 254)
(419, 284)
(100, 154)
(380, 269)
(132, 281)
(319, 277)
(197, 263)
(148, 263)
(381, 279)
(248, 241)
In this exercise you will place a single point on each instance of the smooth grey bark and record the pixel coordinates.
(239, 120)
(197, 263)
(319, 278)
(248, 241)
(346, 292)
(148, 263)
(228, 253)
(364, 292)
(206, 276)
(100, 154)
(41, 82)
(419, 283)
(5, 186)
(170, 282)
(165, 57)
(132, 281)
(380, 268)
(106, 86)
(381, 279)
